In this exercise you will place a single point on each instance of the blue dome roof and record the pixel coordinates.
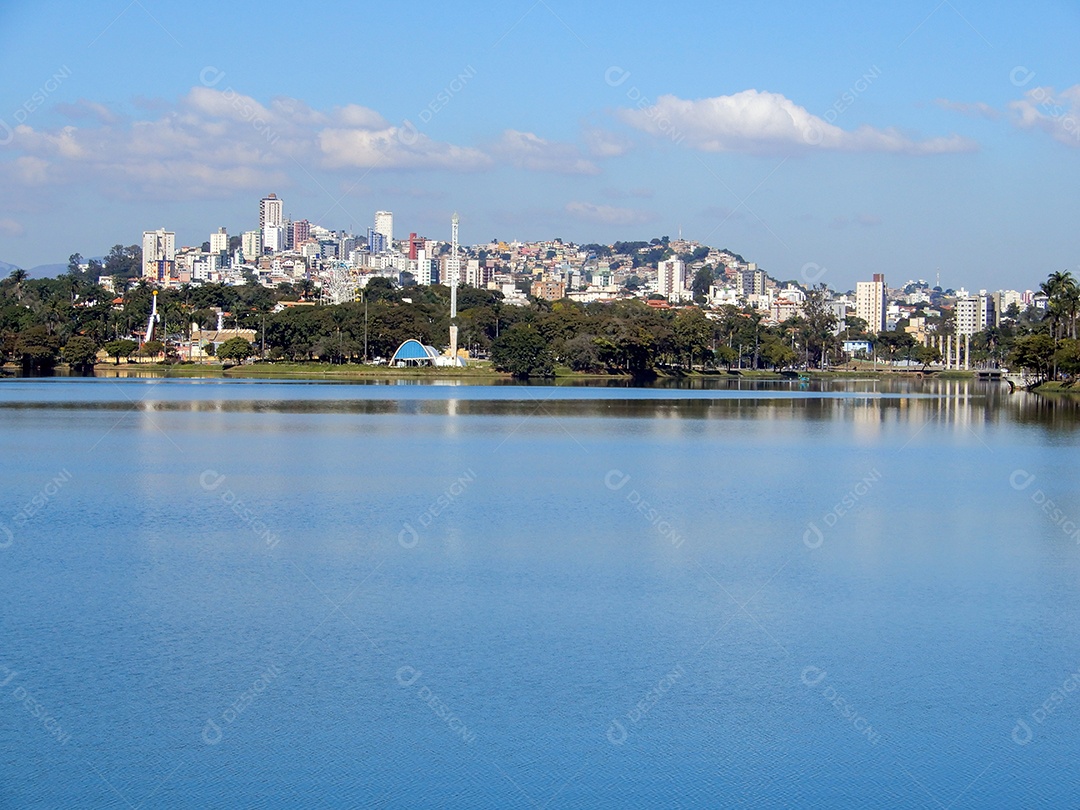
(413, 349)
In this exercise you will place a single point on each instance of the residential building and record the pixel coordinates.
(974, 313)
(384, 224)
(219, 242)
(157, 247)
(671, 278)
(550, 289)
(871, 302)
(251, 245)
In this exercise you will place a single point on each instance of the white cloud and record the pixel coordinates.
(1057, 114)
(9, 227)
(762, 122)
(978, 109)
(528, 151)
(394, 148)
(215, 143)
(604, 144)
(609, 214)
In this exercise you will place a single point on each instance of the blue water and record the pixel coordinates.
(270, 595)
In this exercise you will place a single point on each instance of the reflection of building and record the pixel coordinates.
(870, 302)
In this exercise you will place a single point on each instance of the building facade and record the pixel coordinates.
(157, 247)
(871, 304)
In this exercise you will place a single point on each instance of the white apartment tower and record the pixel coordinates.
(871, 304)
(157, 246)
(272, 222)
(219, 242)
(974, 314)
(384, 224)
(671, 278)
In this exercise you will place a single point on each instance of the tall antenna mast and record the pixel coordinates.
(452, 266)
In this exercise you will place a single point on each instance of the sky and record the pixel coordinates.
(825, 141)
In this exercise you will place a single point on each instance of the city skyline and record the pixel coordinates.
(895, 141)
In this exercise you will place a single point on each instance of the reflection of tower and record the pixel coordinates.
(452, 268)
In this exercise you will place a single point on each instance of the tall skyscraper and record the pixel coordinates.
(271, 222)
(271, 211)
(157, 246)
(384, 224)
(871, 302)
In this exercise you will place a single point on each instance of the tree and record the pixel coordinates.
(236, 348)
(1034, 353)
(926, 355)
(80, 352)
(523, 352)
(120, 348)
(152, 348)
(36, 348)
(703, 279)
(18, 276)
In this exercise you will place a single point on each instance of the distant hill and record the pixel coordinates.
(6, 268)
(47, 270)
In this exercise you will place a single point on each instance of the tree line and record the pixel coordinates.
(70, 318)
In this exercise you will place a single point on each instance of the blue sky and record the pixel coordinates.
(831, 140)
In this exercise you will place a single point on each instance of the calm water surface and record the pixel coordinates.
(269, 595)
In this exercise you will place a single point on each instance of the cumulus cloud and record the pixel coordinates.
(609, 214)
(1057, 114)
(978, 109)
(214, 143)
(528, 151)
(761, 122)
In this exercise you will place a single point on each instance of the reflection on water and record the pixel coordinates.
(864, 402)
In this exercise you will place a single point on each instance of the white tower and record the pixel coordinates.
(453, 270)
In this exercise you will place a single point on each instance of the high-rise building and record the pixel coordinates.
(751, 281)
(219, 242)
(671, 278)
(301, 230)
(384, 224)
(271, 222)
(251, 245)
(974, 314)
(157, 247)
(271, 211)
(376, 242)
(871, 303)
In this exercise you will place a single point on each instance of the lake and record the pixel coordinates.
(274, 594)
